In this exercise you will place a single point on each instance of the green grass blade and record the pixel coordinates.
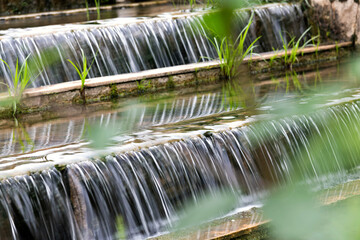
(76, 68)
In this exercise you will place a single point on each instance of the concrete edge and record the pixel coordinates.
(162, 72)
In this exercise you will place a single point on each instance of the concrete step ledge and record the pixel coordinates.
(161, 72)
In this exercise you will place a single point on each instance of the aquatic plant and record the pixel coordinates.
(82, 72)
(337, 48)
(21, 78)
(142, 86)
(87, 10)
(233, 95)
(316, 44)
(192, 4)
(231, 53)
(293, 47)
(210, 3)
(273, 57)
(21, 136)
(97, 4)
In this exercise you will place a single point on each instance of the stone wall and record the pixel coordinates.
(8, 7)
(337, 20)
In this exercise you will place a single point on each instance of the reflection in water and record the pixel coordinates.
(20, 140)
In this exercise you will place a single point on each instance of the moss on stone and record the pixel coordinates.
(170, 84)
(60, 167)
(114, 92)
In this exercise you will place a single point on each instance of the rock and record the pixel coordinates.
(78, 203)
(345, 14)
(320, 15)
(337, 20)
(358, 27)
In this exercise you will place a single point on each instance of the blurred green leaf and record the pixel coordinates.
(206, 208)
(219, 22)
(99, 136)
(120, 226)
(295, 214)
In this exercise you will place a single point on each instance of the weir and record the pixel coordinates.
(145, 188)
(234, 137)
(151, 44)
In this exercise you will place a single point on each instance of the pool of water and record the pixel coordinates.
(145, 121)
(133, 12)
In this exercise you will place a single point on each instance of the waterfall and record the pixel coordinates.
(151, 44)
(145, 188)
(36, 207)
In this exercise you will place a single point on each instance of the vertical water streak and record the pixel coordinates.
(37, 207)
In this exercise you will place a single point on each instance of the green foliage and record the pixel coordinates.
(170, 84)
(233, 95)
(87, 10)
(192, 4)
(113, 91)
(97, 4)
(101, 136)
(142, 86)
(292, 48)
(82, 71)
(295, 81)
(120, 226)
(318, 77)
(296, 214)
(235, 5)
(210, 3)
(21, 136)
(21, 78)
(232, 53)
(317, 44)
(273, 58)
(209, 206)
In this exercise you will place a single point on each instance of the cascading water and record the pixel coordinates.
(145, 188)
(36, 207)
(140, 46)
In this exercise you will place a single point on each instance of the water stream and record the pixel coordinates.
(166, 149)
(145, 188)
(115, 47)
